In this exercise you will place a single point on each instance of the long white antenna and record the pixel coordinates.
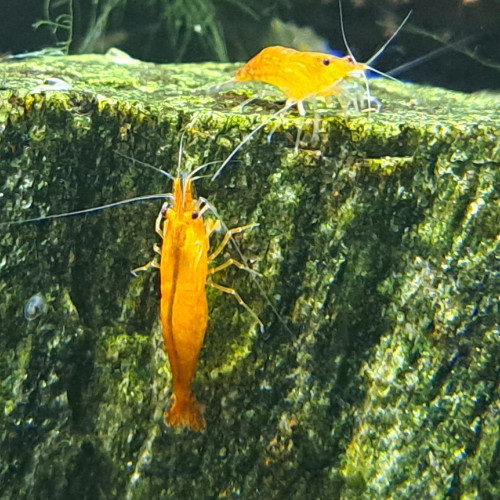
(343, 33)
(143, 164)
(250, 135)
(162, 196)
(394, 35)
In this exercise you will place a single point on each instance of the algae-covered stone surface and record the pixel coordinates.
(379, 249)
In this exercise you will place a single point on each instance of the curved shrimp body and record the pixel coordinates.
(184, 309)
(298, 74)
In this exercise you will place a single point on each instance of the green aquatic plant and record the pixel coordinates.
(63, 23)
(98, 23)
(185, 19)
(181, 30)
(174, 30)
(85, 22)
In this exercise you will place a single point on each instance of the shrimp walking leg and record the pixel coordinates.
(145, 267)
(149, 265)
(156, 247)
(229, 234)
(241, 302)
(230, 262)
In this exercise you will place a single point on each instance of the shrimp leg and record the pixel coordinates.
(148, 266)
(229, 234)
(241, 302)
(229, 262)
(156, 247)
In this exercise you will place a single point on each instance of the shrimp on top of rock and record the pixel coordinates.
(302, 75)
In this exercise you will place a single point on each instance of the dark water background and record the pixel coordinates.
(234, 30)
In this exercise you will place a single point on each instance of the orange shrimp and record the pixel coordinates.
(306, 75)
(184, 308)
(184, 271)
(300, 75)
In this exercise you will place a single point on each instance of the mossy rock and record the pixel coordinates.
(379, 248)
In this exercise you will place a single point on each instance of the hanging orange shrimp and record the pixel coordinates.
(184, 308)
(184, 269)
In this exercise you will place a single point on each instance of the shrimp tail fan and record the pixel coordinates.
(186, 412)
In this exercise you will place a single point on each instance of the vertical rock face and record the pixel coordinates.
(379, 248)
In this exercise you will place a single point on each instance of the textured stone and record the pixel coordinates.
(379, 248)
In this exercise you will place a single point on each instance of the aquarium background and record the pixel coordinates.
(234, 30)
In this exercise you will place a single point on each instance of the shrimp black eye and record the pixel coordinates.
(350, 59)
(326, 62)
(195, 214)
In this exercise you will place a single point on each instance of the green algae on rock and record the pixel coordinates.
(379, 248)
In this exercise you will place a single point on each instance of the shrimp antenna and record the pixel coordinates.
(341, 15)
(192, 175)
(143, 164)
(250, 135)
(181, 152)
(431, 55)
(163, 196)
(376, 55)
(379, 52)
(391, 38)
(202, 167)
(349, 51)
